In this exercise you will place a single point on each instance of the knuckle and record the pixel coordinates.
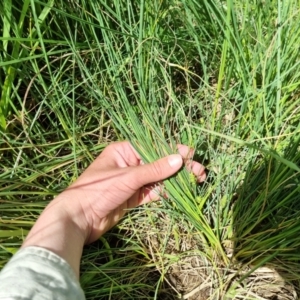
(157, 169)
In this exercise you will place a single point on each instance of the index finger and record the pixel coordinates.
(121, 154)
(185, 151)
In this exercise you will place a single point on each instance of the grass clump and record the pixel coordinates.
(219, 76)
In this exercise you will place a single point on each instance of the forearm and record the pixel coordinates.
(56, 230)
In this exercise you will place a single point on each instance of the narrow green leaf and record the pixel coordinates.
(7, 19)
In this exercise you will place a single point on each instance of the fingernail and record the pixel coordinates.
(175, 160)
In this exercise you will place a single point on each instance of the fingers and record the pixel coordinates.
(192, 166)
(121, 154)
(150, 193)
(197, 169)
(156, 171)
(185, 151)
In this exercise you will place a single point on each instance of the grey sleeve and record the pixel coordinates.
(35, 273)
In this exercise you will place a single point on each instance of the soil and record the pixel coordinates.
(196, 282)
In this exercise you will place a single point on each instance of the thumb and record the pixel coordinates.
(157, 170)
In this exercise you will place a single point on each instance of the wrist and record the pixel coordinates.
(70, 201)
(56, 231)
(74, 212)
(88, 212)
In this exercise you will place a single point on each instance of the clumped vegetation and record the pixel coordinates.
(220, 76)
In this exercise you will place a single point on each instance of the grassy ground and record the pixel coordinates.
(221, 76)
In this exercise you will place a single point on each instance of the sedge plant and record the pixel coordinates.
(219, 76)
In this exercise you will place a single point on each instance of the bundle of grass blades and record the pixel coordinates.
(219, 76)
(133, 79)
(268, 199)
(222, 73)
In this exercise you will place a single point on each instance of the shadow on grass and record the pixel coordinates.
(267, 215)
(114, 269)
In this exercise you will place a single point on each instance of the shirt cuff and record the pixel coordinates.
(35, 273)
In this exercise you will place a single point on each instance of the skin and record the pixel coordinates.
(116, 181)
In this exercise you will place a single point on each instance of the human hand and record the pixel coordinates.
(117, 181)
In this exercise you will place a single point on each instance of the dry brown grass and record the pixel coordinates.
(190, 274)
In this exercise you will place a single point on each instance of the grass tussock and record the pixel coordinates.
(220, 76)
